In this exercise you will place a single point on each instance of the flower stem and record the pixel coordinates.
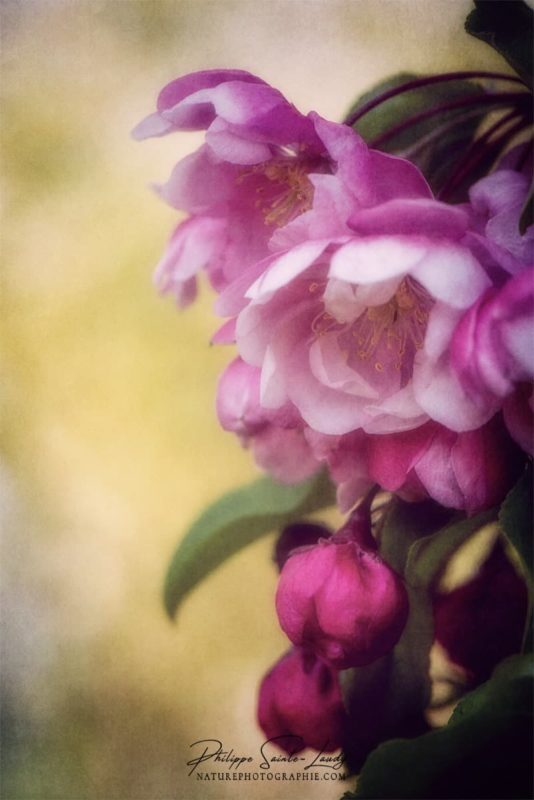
(429, 80)
(485, 99)
(438, 133)
(479, 151)
(360, 521)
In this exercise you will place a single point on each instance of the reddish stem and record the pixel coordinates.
(497, 99)
(437, 133)
(475, 154)
(427, 81)
(358, 524)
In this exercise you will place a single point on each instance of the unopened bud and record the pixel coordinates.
(300, 704)
(340, 599)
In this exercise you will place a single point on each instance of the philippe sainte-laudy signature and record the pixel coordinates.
(213, 750)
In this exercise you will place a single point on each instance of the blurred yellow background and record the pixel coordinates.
(110, 442)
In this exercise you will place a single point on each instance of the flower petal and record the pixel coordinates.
(378, 258)
(451, 274)
(286, 267)
(411, 216)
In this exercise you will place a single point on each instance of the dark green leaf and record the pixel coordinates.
(506, 25)
(516, 517)
(427, 557)
(403, 523)
(378, 121)
(495, 690)
(435, 143)
(235, 520)
(410, 685)
(387, 698)
(484, 752)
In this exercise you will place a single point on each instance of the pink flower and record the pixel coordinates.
(492, 352)
(355, 331)
(262, 165)
(276, 437)
(470, 471)
(496, 203)
(193, 245)
(300, 704)
(347, 460)
(340, 599)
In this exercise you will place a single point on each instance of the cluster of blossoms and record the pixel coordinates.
(380, 332)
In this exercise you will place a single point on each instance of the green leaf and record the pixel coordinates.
(404, 523)
(388, 698)
(378, 121)
(484, 752)
(434, 144)
(507, 26)
(515, 519)
(235, 520)
(503, 678)
(427, 557)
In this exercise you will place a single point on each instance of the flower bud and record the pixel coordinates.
(300, 704)
(340, 599)
(299, 534)
(482, 622)
(238, 399)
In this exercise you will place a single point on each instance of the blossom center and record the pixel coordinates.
(383, 336)
(394, 330)
(283, 189)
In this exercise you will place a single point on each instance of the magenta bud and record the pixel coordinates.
(482, 622)
(299, 534)
(342, 601)
(300, 704)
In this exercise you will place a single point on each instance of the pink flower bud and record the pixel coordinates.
(342, 600)
(238, 399)
(300, 702)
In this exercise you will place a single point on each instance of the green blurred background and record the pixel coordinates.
(110, 442)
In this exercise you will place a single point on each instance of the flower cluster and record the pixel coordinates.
(380, 332)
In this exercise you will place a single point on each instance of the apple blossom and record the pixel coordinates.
(355, 331)
(276, 437)
(469, 471)
(496, 203)
(492, 352)
(262, 165)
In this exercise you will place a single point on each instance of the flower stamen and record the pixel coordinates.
(287, 193)
(399, 324)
